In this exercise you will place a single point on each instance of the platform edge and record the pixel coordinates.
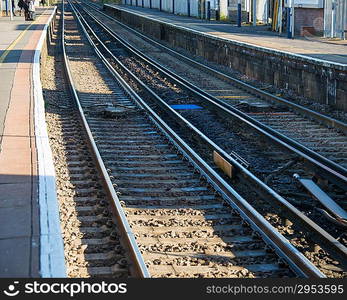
(52, 262)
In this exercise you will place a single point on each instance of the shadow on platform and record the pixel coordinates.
(19, 231)
(33, 27)
(19, 56)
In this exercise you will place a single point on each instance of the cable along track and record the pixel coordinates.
(323, 238)
(181, 222)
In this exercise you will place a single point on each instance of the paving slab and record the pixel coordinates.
(14, 262)
(22, 225)
(20, 184)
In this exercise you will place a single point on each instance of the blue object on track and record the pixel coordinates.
(185, 106)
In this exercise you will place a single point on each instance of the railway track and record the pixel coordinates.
(95, 247)
(317, 132)
(321, 146)
(91, 240)
(264, 165)
(176, 215)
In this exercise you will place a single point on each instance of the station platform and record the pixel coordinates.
(30, 244)
(260, 36)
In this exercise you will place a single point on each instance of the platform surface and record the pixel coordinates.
(311, 47)
(19, 212)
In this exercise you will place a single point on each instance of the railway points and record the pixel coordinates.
(129, 157)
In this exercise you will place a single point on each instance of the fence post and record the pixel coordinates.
(218, 12)
(239, 13)
(290, 20)
(173, 6)
(188, 8)
(208, 10)
(333, 19)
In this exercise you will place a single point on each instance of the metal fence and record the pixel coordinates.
(196, 8)
(227, 9)
(335, 18)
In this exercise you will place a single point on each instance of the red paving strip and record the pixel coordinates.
(19, 234)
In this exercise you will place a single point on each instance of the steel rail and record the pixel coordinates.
(321, 235)
(296, 260)
(139, 268)
(318, 234)
(328, 121)
(323, 166)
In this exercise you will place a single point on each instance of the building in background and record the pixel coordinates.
(308, 17)
(326, 18)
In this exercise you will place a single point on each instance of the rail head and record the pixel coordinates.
(327, 168)
(320, 234)
(225, 155)
(261, 93)
(140, 268)
(300, 264)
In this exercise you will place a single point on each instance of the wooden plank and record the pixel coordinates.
(224, 165)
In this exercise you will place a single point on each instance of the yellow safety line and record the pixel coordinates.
(14, 43)
(234, 97)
